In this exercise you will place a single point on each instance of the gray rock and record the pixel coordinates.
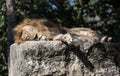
(55, 58)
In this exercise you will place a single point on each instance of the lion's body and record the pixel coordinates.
(29, 29)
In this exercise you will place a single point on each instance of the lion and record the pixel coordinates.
(43, 29)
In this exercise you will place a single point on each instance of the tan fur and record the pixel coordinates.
(64, 37)
(76, 34)
(82, 32)
(85, 34)
(29, 28)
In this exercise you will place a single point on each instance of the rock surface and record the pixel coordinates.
(55, 58)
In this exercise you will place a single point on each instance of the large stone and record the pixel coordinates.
(55, 58)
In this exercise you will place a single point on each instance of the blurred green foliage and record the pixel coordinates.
(100, 15)
(3, 40)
